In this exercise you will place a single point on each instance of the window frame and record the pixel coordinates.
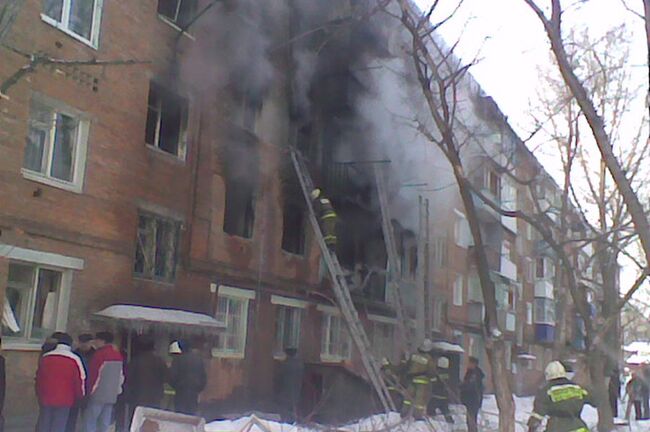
(243, 296)
(279, 342)
(457, 291)
(157, 218)
(344, 352)
(182, 145)
(548, 317)
(174, 22)
(379, 342)
(80, 152)
(64, 24)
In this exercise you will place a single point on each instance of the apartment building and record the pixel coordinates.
(167, 184)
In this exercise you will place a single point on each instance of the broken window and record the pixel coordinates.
(293, 228)
(335, 339)
(239, 214)
(33, 297)
(249, 109)
(287, 329)
(156, 249)
(54, 143)
(79, 17)
(180, 12)
(166, 121)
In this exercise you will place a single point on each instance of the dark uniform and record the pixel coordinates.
(562, 401)
(328, 219)
(440, 394)
(420, 369)
(394, 375)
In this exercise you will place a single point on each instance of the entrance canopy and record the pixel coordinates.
(141, 318)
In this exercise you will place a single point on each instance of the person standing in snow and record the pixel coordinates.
(60, 384)
(188, 378)
(420, 370)
(561, 400)
(614, 390)
(105, 379)
(634, 392)
(290, 383)
(145, 379)
(471, 393)
(440, 390)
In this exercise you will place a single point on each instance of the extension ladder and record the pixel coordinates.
(342, 291)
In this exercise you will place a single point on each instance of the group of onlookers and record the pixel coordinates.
(638, 393)
(83, 385)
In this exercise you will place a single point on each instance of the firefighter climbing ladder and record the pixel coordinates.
(342, 291)
(391, 250)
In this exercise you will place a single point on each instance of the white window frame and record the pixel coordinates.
(462, 234)
(329, 314)
(64, 24)
(64, 264)
(243, 296)
(181, 153)
(459, 283)
(529, 313)
(279, 342)
(80, 148)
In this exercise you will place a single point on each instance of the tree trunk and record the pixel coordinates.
(597, 364)
(501, 380)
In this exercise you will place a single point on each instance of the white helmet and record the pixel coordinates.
(426, 346)
(554, 370)
(315, 193)
(175, 348)
(443, 363)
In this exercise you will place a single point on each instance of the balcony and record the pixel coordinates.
(544, 288)
(508, 269)
(507, 320)
(544, 333)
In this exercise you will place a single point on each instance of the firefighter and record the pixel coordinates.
(440, 390)
(420, 369)
(327, 218)
(561, 400)
(393, 375)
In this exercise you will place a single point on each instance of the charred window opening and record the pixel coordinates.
(179, 12)
(293, 228)
(240, 162)
(166, 120)
(247, 109)
(156, 248)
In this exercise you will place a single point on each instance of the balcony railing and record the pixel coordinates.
(508, 268)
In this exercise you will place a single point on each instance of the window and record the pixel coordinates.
(156, 248)
(544, 268)
(506, 249)
(458, 290)
(287, 329)
(462, 234)
(180, 12)
(439, 308)
(494, 184)
(293, 228)
(335, 339)
(529, 313)
(166, 121)
(34, 298)
(234, 312)
(239, 214)
(55, 151)
(544, 311)
(530, 269)
(475, 294)
(79, 18)
(440, 258)
(530, 232)
(383, 342)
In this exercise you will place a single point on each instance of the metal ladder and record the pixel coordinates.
(342, 291)
(391, 250)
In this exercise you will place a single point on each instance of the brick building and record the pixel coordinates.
(166, 183)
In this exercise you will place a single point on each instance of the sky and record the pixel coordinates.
(510, 43)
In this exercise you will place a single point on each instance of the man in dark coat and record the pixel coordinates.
(440, 390)
(145, 380)
(290, 383)
(614, 390)
(84, 351)
(188, 378)
(471, 393)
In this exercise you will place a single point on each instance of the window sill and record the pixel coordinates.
(226, 355)
(171, 157)
(165, 283)
(18, 345)
(175, 27)
(70, 33)
(40, 178)
(333, 359)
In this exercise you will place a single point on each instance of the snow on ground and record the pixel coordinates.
(488, 420)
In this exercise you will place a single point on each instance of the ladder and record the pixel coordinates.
(391, 250)
(342, 291)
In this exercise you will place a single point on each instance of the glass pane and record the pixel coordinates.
(186, 12)
(153, 112)
(20, 282)
(141, 241)
(165, 249)
(46, 303)
(168, 8)
(64, 146)
(35, 149)
(81, 17)
(171, 119)
(53, 9)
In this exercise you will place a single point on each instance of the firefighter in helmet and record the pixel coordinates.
(327, 218)
(394, 374)
(440, 390)
(561, 400)
(420, 370)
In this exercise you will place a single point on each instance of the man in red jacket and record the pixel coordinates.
(60, 384)
(105, 379)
